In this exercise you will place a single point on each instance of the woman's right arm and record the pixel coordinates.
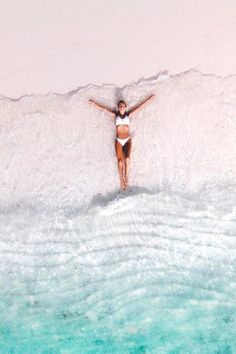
(99, 105)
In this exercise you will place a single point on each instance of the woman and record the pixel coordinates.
(123, 140)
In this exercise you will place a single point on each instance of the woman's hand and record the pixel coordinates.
(152, 96)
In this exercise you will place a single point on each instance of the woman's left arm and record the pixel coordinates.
(139, 105)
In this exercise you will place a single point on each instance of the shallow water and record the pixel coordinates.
(136, 273)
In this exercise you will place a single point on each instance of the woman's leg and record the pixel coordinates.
(119, 154)
(127, 151)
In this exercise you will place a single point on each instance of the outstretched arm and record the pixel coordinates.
(99, 105)
(139, 105)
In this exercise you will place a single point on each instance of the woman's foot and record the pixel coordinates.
(126, 181)
(122, 184)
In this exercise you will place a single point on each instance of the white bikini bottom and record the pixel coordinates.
(123, 141)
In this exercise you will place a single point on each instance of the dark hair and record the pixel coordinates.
(121, 101)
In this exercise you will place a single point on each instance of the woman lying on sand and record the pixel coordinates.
(123, 140)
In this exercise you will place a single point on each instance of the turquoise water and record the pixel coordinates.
(176, 322)
(140, 274)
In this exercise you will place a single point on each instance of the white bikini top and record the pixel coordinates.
(122, 120)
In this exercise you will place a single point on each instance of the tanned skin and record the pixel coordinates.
(122, 132)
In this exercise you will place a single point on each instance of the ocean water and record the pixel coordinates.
(86, 268)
